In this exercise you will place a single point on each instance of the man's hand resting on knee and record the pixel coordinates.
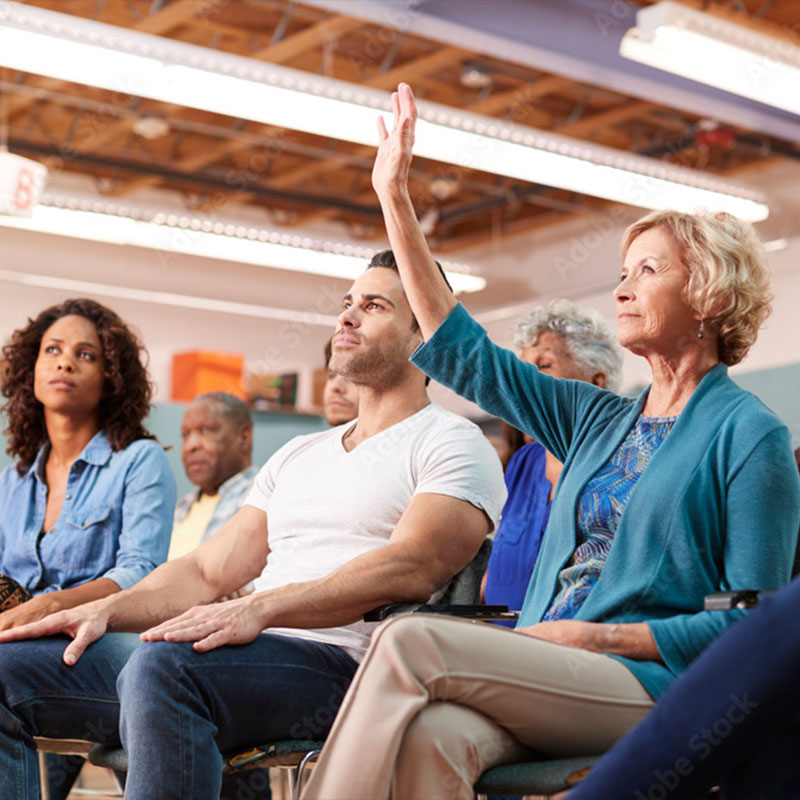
(84, 624)
(232, 622)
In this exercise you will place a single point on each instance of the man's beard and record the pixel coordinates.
(378, 369)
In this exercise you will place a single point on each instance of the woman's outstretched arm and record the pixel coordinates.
(430, 299)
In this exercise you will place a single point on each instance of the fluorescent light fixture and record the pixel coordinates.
(92, 53)
(776, 245)
(706, 48)
(198, 236)
(167, 298)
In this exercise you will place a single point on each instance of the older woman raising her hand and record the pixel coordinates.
(688, 489)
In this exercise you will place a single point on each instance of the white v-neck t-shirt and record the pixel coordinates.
(325, 505)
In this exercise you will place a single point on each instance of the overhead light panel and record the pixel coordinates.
(80, 287)
(84, 51)
(208, 238)
(715, 51)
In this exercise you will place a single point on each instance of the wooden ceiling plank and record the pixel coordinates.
(171, 16)
(607, 119)
(307, 39)
(411, 71)
(193, 161)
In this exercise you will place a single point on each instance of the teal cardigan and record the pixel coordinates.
(717, 508)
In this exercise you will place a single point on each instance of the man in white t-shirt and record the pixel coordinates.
(384, 509)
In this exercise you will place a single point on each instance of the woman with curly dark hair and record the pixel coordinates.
(87, 509)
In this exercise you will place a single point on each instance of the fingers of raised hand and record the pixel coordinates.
(383, 134)
(406, 102)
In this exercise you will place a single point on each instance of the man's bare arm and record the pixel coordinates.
(436, 536)
(229, 559)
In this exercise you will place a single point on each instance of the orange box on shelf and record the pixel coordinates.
(204, 371)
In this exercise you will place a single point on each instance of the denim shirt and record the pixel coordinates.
(115, 521)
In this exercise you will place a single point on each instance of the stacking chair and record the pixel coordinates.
(63, 747)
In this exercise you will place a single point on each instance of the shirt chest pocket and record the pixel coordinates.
(86, 543)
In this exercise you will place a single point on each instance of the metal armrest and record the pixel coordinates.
(741, 598)
(479, 612)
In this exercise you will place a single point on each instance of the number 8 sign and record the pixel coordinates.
(21, 184)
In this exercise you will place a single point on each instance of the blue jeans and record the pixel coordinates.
(732, 718)
(179, 709)
(41, 696)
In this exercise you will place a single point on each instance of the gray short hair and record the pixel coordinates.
(589, 337)
(234, 410)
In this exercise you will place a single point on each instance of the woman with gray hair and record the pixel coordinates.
(565, 341)
(688, 489)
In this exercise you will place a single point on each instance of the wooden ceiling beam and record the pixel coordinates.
(607, 119)
(175, 14)
(413, 70)
(307, 39)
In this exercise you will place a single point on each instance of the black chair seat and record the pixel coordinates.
(535, 777)
(287, 753)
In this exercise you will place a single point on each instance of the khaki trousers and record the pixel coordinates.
(438, 700)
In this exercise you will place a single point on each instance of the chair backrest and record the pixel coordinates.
(465, 588)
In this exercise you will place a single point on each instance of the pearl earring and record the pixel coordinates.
(701, 334)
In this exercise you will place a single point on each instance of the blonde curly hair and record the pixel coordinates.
(728, 273)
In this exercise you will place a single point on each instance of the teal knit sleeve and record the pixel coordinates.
(762, 517)
(461, 356)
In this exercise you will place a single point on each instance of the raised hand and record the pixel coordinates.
(231, 622)
(393, 160)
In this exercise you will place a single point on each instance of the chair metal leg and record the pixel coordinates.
(291, 778)
(44, 783)
(298, 773)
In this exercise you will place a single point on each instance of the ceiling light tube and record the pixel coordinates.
(92, 53)
(207, 238)
(711, 50)
(167, 298)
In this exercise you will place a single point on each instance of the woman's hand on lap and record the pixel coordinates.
(575, 633)
(31, 610)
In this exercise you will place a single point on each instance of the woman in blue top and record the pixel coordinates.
(87, 509)
(687, 489)
(564, 341)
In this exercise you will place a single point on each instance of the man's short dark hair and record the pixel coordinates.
(235, 410)
(386, 259)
